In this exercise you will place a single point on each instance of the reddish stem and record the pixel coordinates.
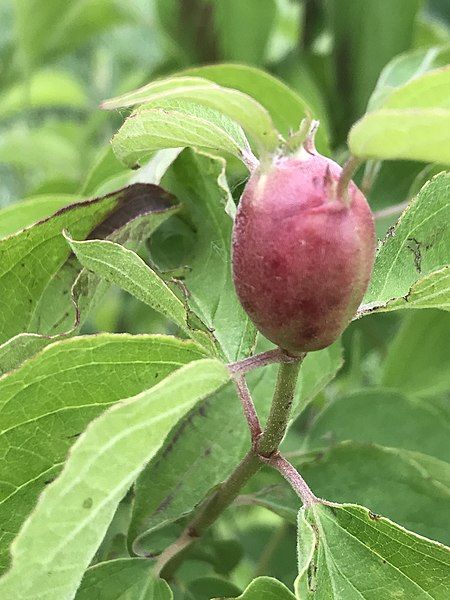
(261, 360)
(297, 482)
(249, 409)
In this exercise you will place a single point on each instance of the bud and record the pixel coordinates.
(302, 257)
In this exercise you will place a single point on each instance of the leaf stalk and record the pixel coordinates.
(348, 171)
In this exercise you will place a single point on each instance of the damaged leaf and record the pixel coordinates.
(37, 269)
(411, 266)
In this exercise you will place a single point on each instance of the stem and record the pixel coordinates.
(260, 360)
(249, 160)
(346, 176)
(280, 411)
(248, 466)
(170, 559)
(265, 447)
(291, 475)
(249, 409)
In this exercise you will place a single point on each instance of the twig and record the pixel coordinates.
(249, 408)
(261, 360)
(297, 482)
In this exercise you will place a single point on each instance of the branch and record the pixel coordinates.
(172, 556)
(264, 450)
(280, 410)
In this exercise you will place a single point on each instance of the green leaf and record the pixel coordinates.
(358, 555)
(318, 369)
(178, 124)
(114, 544)
(23, 214)
(127, 270)
(199, 183)
(411, 488)
(48, 402)
(206, 588)
(223, 555)
(57, 542)
(417, 358)
(384, 417)
(267, 588)
(286, 107)
(197, 455)
(16, 350)
(404, 68)
(409, 120)
(37, 271)
(431, 90)
(123, 579)
(243, 29)
(411, 265)
(413, 134)
(205, 447)
(430, 291)
(240, 107)
(106, 167)
(46, 89)
(31, 259)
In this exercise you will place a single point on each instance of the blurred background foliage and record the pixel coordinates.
(60, 58)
